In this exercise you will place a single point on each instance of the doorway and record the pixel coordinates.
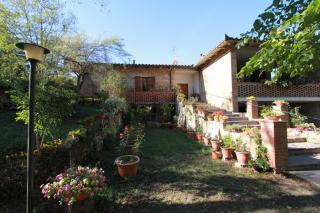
(184, 89)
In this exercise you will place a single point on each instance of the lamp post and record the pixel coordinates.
(34, 54)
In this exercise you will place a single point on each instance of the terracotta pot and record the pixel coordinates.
(216, 144)
(127, 169)
(215, 155)
(81, 197)
(206, 141)
(191, 134)
(272, 118)
(198, 136)
(243, 158)
(226, 153)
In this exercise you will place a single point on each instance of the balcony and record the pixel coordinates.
(150, 97)
(299, 93)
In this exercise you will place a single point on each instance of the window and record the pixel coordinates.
(144, 83)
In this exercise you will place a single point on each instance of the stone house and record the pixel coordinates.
(213, 77)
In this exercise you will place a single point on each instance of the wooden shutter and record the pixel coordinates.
(150, 83)
(138, 83)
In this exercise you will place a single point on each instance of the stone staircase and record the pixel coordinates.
(303, 155)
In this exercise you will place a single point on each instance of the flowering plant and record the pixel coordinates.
(218, 116)
(75, 184)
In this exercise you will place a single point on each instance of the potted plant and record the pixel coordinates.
(251, 98)
(215, 143)
(190, 133)
(74, 186)
(216, 155)
(198, 133)
(206, 139)
(241, 152)
(127, 165)
(268, 113)
(280, 102)
(227, 147)
(132, 139)
(219, 116)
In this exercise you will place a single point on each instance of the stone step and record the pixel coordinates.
(243, 122)
(303, 148)
(237, 119)
(304, 162)
(297, 140)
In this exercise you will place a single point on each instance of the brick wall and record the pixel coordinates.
(274, 138)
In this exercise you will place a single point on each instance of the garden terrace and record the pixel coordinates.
(150, 97)
(296, 93)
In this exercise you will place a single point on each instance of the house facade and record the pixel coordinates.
(214, 78)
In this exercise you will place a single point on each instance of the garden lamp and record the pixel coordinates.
(34, 54)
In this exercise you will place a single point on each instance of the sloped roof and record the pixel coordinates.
(154, 66)
(222, 48)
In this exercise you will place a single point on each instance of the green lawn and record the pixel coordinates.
(178, 175)
(14, 134)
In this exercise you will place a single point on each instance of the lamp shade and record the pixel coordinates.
(33, 51)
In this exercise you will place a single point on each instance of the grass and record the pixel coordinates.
(178, 175)
(14, 134)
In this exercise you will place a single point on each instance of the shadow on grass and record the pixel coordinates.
(177, 175)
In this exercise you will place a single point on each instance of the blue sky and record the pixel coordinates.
(157, 31)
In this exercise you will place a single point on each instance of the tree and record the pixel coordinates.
(55, 101)
(80, 52)
(114, 84)
(291, 49)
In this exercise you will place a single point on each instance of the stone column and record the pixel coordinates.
(283, 108)
(252, 110)
(274, 138)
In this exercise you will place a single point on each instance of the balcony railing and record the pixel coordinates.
(262, 90)
(151, 97)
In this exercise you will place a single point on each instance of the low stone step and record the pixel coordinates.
(297, 140)
(304, 162)
(237, 119)
(243, 122)
(303, 148)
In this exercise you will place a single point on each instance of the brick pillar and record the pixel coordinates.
(284, 108)
(252, 109)
(274, 138)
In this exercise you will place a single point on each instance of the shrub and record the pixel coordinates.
(114, 84)
(68, 186)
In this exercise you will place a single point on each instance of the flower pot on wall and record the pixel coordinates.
(243, 158)
(272, 117)
(127, 165)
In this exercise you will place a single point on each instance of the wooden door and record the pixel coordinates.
(184, 89)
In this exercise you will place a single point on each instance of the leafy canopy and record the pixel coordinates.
(291, 49)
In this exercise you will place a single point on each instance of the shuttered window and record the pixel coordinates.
(144, 83)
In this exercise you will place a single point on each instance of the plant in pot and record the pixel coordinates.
(251, 98)
(215, 143)
(198, 133)
(242, 153)
(133, 139)
(190, 132)
(206, 139)
(268, 113)
(127, 165)
(227, 147)
(219, 116)
(280, 102)
(75, 186)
